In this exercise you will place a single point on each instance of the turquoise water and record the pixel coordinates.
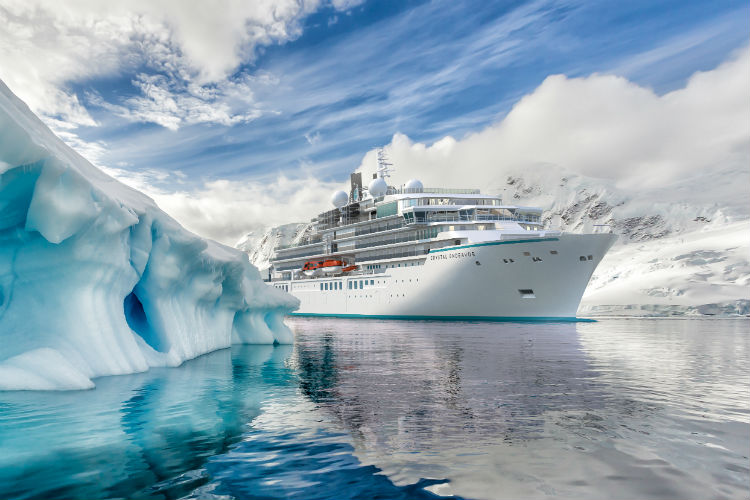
(414, 409)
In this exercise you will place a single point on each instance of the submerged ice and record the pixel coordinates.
(96, 280)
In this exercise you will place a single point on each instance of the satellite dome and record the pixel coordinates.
(414, 185)
(339, 199)
(377, 187)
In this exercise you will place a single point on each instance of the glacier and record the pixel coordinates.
(96, 280)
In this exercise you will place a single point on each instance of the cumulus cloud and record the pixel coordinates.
(226, 210)
(601, 126)
(190, 48)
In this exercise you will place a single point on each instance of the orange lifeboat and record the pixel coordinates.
(313, 268)
(332, 266)
(329, 266)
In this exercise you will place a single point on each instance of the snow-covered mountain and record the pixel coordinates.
(96, 280)
(259, 245)
(684, 249)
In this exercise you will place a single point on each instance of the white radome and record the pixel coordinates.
(415, 185)
(377, 187)
(339, 199)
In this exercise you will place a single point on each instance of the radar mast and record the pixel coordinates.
(384, 166)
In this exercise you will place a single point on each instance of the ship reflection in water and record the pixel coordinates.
(365, 408)
(616, 408)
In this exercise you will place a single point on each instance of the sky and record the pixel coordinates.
(238, 115)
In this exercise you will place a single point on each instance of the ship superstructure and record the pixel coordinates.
(416, 252)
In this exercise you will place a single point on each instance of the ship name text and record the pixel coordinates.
(452, 255)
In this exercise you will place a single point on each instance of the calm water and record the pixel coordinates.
(373, 409)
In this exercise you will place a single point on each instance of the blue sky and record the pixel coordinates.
(323, 83)
(425, 69)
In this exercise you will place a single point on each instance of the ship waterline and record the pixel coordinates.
(416, 253)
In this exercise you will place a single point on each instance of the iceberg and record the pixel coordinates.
(96, 280)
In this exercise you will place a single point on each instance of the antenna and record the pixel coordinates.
(384, 167)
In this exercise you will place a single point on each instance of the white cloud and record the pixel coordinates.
(312, 138)
(227, 210)
(174, 103)
(46, 45)
(601, 126)
(346, 4)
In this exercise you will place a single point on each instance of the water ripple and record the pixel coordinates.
(375, 409)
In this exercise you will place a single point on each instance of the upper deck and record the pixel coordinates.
(381, 222)
(402, 207)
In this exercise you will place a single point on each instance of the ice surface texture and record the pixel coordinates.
(96, 280)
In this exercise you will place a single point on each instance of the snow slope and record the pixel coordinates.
(682, 249)
(259, 246)
(96, 280)
(699, 272)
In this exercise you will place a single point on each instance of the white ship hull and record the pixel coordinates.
(536, 278)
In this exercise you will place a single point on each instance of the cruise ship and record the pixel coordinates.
(412, 252)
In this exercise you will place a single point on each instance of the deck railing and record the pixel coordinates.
(393, 255)
(377, 229)
(472, 218)
(316, 248)
(400, 190)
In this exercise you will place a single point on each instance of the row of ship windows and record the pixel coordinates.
(372, 267)
(351, 284)
(338, 285)
(582, 258)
